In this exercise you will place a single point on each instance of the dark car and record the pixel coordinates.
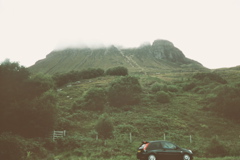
(162, 150)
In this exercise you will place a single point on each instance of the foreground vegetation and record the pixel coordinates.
(107, 115)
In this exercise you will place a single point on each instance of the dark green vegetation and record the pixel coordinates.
(108, 116)
(64, 78)
(27, 110)
(117, 71)
(26, 101)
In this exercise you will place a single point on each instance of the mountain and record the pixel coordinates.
(161, 55)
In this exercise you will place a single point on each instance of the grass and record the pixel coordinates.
(220, 158)
(183, 116)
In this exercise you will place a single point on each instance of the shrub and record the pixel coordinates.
(35, 119)
(38, 84)
(117, 71)
(95, 99)
(189, 86)
(64, 78)
(124, 91)
(227, 102)
(210, 76)
(12, 84)
(162, 97)
(13, 147)
(166, 88)
(26, 106)
(156, 87)
(104, 127)
(216, 149)
(90, 73)
(172, 88)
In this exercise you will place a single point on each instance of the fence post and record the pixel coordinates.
(164, 137)
(130, 136)
(190, 138)
(105, 142)
(53, 135)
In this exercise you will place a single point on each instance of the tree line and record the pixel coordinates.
(72, 76)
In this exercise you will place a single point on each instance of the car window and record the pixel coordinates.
(168, 145)
(154, 146)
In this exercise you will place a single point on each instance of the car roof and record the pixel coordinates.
(154, 141)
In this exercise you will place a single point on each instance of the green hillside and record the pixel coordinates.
(107, 116)
(187, 114)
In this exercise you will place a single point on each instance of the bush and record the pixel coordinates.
(166, 88)
(70, 142)
(38, 84)
(172, 88)
(13, 147)
(124, 91)
(43, 115)
(35, 119)
(12, 84)
(156, 87)
(210, 76)
(93, 99)
(162, 97)
(64, 78)
(26, 106)
(216, 149)
(104, 127)
(227, 102)
(117, 71)
(189, 86)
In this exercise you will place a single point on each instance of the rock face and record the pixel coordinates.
(163, 49)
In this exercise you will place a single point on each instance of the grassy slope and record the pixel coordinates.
(182, 117)
(135, 59)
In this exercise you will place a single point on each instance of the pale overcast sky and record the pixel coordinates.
(207, 31)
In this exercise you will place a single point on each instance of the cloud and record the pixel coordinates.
(199, 28)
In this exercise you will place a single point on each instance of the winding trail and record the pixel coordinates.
(130, 60)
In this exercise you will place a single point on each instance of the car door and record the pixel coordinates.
(156, 148)
(170, 151)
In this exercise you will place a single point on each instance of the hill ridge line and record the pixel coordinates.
(144, 60)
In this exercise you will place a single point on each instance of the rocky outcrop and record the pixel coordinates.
(165, 50)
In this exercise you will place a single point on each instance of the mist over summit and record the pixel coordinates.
(156, 57)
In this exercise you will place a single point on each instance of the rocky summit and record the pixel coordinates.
(163, 49)
(158, 56)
